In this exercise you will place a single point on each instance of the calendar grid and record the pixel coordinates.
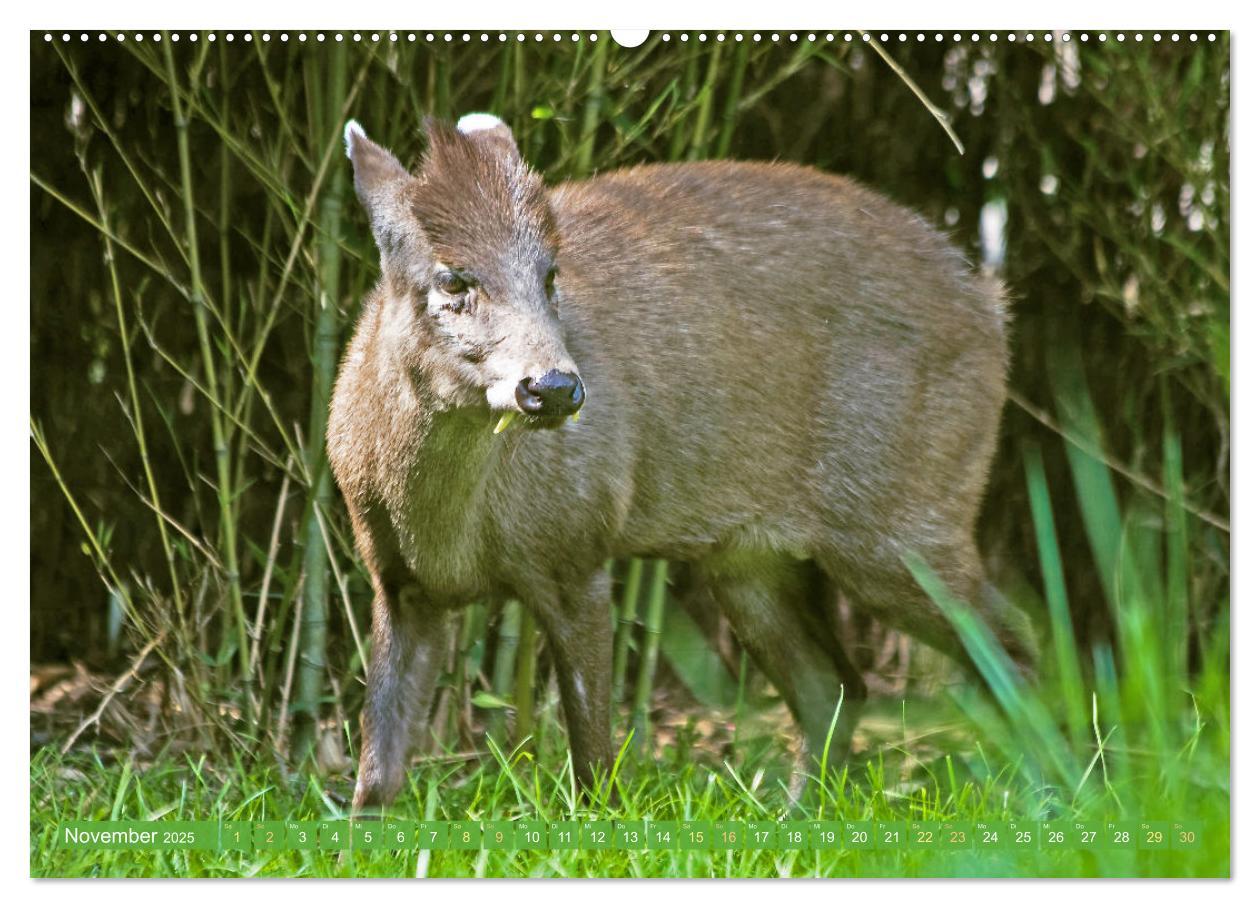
(631, 835)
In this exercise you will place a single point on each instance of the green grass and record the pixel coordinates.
(953, 787)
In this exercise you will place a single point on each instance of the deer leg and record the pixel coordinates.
(409, 645)
(777, 609)
(578, 625)
(883, 586)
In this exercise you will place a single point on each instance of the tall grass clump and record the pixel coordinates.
(1123, 731)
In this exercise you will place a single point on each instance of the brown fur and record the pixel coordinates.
(792, 384)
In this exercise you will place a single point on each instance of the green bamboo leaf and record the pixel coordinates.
(483, 699)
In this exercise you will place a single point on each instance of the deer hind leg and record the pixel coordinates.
(778, 609)
(881, 584)
(409, 646)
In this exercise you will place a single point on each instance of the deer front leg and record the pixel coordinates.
(409, 645)
(578, 625)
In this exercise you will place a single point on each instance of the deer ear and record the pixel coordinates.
(378, 178)
(490, 132)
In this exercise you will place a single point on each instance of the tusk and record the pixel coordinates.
(574, 417)
(504, 421)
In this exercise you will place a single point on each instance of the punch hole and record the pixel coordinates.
(629, 37)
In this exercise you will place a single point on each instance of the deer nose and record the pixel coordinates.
(555, 394)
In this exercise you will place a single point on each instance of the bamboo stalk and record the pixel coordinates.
(225, 235)
(314, 634)
(678, 145)
(222, 455)
(594, 103)
(225, 193)
(651, 650)
(730, 113)
(526, 668)
(625, 627)
(273, 547)
(505, 667)
(700, 136)
(501, 86)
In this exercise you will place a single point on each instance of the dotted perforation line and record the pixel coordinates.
(573, 37)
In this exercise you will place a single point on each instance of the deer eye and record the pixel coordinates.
(549, 282)
(451, 283)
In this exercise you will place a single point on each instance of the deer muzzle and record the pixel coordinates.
(556, 393)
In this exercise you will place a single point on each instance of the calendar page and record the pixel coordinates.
(792, 452)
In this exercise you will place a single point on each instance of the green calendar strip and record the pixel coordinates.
(251, 836)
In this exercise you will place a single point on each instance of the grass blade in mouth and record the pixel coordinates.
(504, 421)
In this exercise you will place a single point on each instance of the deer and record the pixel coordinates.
(769, 373)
